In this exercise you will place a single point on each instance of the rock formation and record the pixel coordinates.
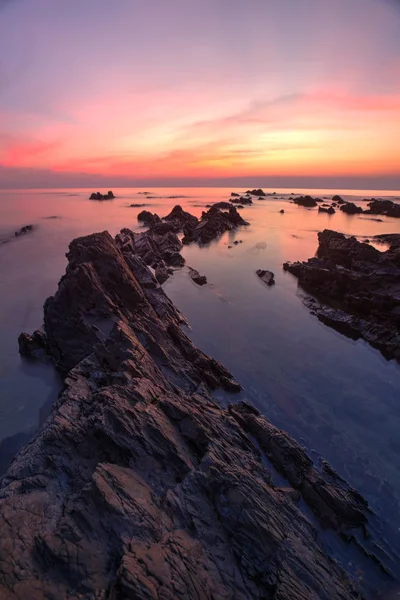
(196, 277)
(258, 192)
(25, 229)
(99, 196)
(351, 209)
(384, 207)
(307, 201)
(139, 485)
(266, 276)
(212, 224)
(359, 286)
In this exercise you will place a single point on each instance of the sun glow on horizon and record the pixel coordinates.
(183, 109)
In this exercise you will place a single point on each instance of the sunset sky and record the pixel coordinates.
(199, 91)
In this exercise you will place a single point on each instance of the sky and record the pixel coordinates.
(260, 92)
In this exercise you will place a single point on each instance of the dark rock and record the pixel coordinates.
(99, 196)
(24, 230)
(162, 272)
(137, 205)
(258, 192)
(148, 219)
(196, 277)
(282, 211)
(242, 200)
(139, 485)
(239, 206)
(181, 220)
(234, 195)
(358, 288)
(222, 205)
(306, 201)
(351, 209)
(338, 199)
(267, 276)
(33, 346)
(384, 207)
(214, 223)
(330, 210)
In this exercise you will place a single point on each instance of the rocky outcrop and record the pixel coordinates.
(212, 224)
(99, 196)
(351, 209)
(257, 192)
(338, 199)
(330, 210)
(358, 286)
(24, 230)
(384, 207)
(181, 220)
(242, 200)
(139, 485)
(223, 205)
(148, 218)
(266, 276)
(196, 277)
(307, 201)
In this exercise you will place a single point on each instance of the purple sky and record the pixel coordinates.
(155, 91)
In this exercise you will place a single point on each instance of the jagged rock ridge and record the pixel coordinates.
(139, 485)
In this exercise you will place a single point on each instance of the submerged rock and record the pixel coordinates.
(139, 485)
(330, 210)
(358, 287)
(25, 229)
(267, 276)
(196, 277)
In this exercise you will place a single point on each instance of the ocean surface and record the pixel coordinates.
(338, 397)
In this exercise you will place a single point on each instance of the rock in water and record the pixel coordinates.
(258, 192)
(196, 277)
(359, 287)
(25, 229)
(384, 207)
(212, 224)
(99, 196)
(351, 209)
(267, 276)
(139, 485)
(307, 201)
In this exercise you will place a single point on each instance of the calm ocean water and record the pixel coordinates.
(340, 398)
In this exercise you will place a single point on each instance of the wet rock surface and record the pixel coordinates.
(242, 200)
(139, 485)
(358, 288)
(266, 276)
(196, 277)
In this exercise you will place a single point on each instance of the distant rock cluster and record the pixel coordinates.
(99, 196)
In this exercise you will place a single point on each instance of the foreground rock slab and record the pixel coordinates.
(139, 485)
(359, 288)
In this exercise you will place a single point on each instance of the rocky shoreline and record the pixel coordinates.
(139, 485)
(356, 288)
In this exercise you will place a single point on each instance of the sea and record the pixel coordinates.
(338, 397)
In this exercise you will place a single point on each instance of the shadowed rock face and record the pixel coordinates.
(214, 223)
(359, 287)
(384, 207)
(139, 485)
(307, 201)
